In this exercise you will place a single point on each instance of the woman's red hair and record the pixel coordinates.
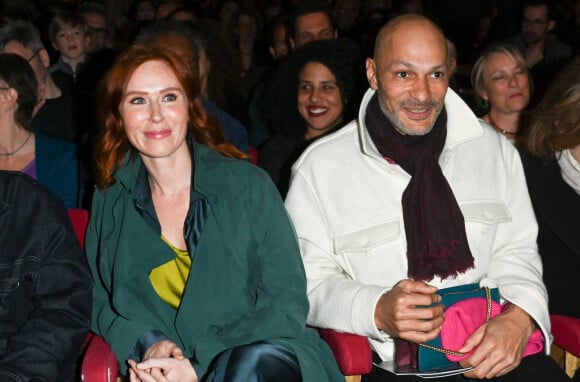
(112, 145)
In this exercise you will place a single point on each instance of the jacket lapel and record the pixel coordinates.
(199, 208)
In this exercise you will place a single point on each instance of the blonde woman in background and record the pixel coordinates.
(501, 80)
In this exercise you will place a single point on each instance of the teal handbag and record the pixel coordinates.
(431, 356)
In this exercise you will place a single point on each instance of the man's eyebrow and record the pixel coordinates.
(412, 66)
(396, 63)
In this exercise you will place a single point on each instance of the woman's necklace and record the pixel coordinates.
(19, 147)
(504, 132)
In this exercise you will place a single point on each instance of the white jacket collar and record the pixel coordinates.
(462, 124)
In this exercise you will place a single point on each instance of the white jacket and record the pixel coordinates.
(345, 202)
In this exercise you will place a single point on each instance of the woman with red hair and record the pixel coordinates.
(197, 271)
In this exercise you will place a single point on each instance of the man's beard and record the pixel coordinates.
(398, 124)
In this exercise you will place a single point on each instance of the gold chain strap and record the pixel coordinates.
(456, 353)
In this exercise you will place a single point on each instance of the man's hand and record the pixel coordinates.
(171, 370)
(403, 312)
(534, 54)
(499, 344)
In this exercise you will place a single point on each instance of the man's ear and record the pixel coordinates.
(54, 46)
(551, 25)
(44, 57)
(291, 43)
(371, 70)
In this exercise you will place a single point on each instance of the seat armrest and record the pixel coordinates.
(566, 332)
(99, 362)
(352, 352)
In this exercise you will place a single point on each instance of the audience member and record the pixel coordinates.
(544, 53)
(413, 196)
(223, 77)
(309, 97)
(226, 17)
(274, 10)
(98, 29)
(551, 158)
(190, 42)
(500, 78)
(249, 42)
(142, 10)
(279, 39)
(484, 34)
(68, 36)
(198, 273)
(311, 21)
(46, 284)
(54, 114)
(50, 160)
(140, 14)
(101, 45)
(78, 74)
(117, 11)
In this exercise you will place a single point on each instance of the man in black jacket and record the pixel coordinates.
(45, 284)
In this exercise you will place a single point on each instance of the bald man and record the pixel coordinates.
(415, 195)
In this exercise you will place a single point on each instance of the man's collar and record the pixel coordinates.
(462, 124)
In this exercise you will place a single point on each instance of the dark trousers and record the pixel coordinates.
(535, 368)
(258, 362)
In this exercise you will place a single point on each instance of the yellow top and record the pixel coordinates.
(169, 279)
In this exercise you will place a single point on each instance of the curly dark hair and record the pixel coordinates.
(341, 56)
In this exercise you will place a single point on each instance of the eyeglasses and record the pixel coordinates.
(33, 56)
(97, 31)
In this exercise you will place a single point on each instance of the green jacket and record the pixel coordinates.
(246, 282)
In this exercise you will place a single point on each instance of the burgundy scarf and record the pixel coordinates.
(435, 230)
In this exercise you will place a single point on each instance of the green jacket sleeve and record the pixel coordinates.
(121, 333)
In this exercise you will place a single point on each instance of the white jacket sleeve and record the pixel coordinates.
(515, 263)
(336, 301)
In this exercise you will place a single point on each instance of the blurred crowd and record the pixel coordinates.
(247, 54)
